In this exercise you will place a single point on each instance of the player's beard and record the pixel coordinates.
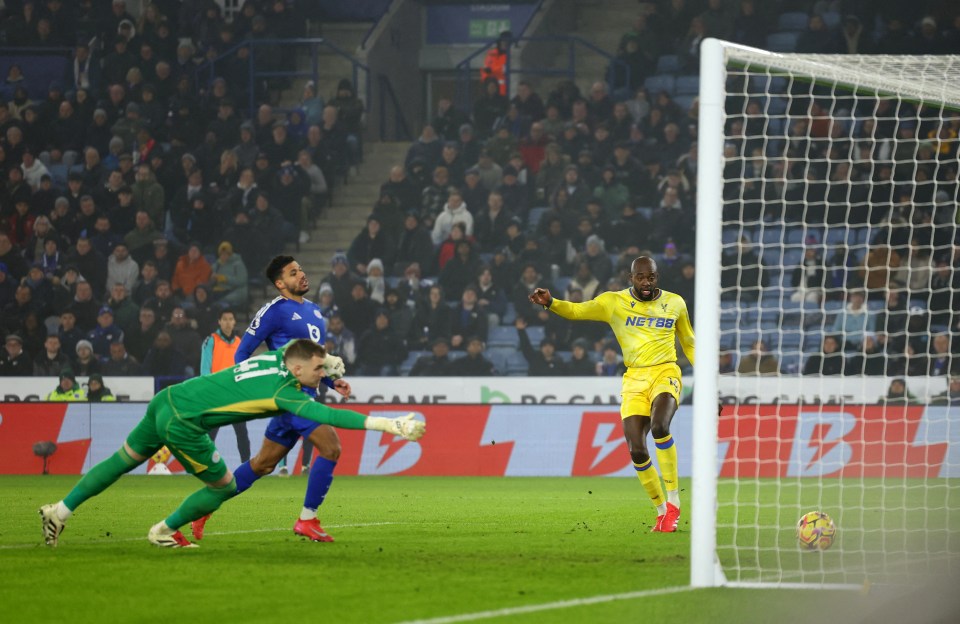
(638, 293)
(301, 290)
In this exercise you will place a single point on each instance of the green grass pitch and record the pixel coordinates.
(408, 549)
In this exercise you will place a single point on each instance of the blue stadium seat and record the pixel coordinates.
(782, 42)
(656, 84)
(687, 85)
(684, 101)
(502, 336)
(792, 257)
(535, 333)
(777, 106)
(408, 363)
(58, 173)
(831, 19)
(790, 363)
(771, 235)
(533, 218)
(509, 316)
(669, 64)
(516, 365)
(794, 20)
(561, 284)
(499, 357)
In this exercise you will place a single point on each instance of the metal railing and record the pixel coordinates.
(466, 76)
(401, 130)
(207, 71)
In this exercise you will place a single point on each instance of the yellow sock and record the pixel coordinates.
(650, 479)
(667, 460)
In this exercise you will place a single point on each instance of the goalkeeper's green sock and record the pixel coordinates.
(667, 460)
(204, 501)
(99, 478)
(650, 479)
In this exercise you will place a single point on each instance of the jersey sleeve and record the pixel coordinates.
(291, 400)
(597, 309)
(262, 325)
(685, 332)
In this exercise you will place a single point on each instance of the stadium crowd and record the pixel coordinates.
(559, 190)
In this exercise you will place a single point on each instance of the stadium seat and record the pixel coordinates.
(656, 84)
(535, 333)
(782, 42)
(408, 363)
(58, 173)
(684, 101)
(509, 316)
(502, 336)
(793, 21)
(687, 85)
(516, 364)
(771, 235)
(777, 106)
(533, 218)
(561, 285)
(790, 363)
(499, 356)
(669, 64)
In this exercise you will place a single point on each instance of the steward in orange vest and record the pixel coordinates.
(495, 63)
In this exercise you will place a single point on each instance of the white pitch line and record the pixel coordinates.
(547, 606)
(39, 543)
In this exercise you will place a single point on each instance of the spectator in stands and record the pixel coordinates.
(84, 305)
(491, 299)
(611, 363)
(454, 211)
(809, 278)
(372, 242)
(15, 362)
(141, 239)
(458, 272)
(467, 320)
(530, 279)
(125, 311)
(940, 360)
(415, 244)
(727, 365)
(163, 360)
(341, 339)
(759, 361)
(85, 362)
(881, 271)
(229, 277)
(426, 149)
(491, 224)
(380, 351)
(51, 360)
(688, 48)
(432, 320)
(358, 310)
(437, 364)
(401, 315)
(742, 276)
(473, 364)
(490, 106)
(585, 281)
(163, 301)
(830, 361)
(543, 363)
(192, 270)
(580, 364)
(97, 392)
(105, 333)
(120, 363)
(854, 321)
(818, 39)
(121, 268)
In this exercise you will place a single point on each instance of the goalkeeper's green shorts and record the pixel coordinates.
(189, 443)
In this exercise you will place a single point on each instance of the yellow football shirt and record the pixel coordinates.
(646, 330)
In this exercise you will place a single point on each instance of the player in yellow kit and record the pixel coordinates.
(646, 321)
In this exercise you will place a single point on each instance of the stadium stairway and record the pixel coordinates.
(353, 202)
(601, 22)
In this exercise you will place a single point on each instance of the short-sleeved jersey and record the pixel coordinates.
(280, 321)
(258, 387)
(646, 330)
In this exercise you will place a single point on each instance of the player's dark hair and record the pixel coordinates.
(274, 270)
(303, 349)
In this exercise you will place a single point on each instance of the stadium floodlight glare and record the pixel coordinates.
(845, 155)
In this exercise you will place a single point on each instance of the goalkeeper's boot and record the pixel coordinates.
(658, 526)
(196, 527)
(52, 524)
(670, 519)
(312, 530)
(164, 537)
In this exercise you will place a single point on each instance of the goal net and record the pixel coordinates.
(827, 311)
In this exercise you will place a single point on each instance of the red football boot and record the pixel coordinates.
(670, 519)
(312, 530)
(196, 527)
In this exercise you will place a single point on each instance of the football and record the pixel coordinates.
(816, 531)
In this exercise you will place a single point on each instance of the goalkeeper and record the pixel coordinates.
(646, 321)
(180, 417)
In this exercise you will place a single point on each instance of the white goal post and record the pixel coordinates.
(741, 526)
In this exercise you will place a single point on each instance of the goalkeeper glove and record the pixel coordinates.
(333, 367)
(405, 426)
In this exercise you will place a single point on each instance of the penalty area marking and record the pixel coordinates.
(242, 532)
(548, 606)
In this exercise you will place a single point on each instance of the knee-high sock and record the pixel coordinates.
(204, 501)
(99, 478)
(650, 479)
(318, 484)
(245, 477)
(667, 460)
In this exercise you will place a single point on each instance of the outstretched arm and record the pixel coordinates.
(685, 333)
(298, 403)
(594, 310)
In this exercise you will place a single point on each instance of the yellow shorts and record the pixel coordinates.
(642, 385)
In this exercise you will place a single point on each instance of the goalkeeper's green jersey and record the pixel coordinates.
(255, 388)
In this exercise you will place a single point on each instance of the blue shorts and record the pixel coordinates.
(287, 428)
